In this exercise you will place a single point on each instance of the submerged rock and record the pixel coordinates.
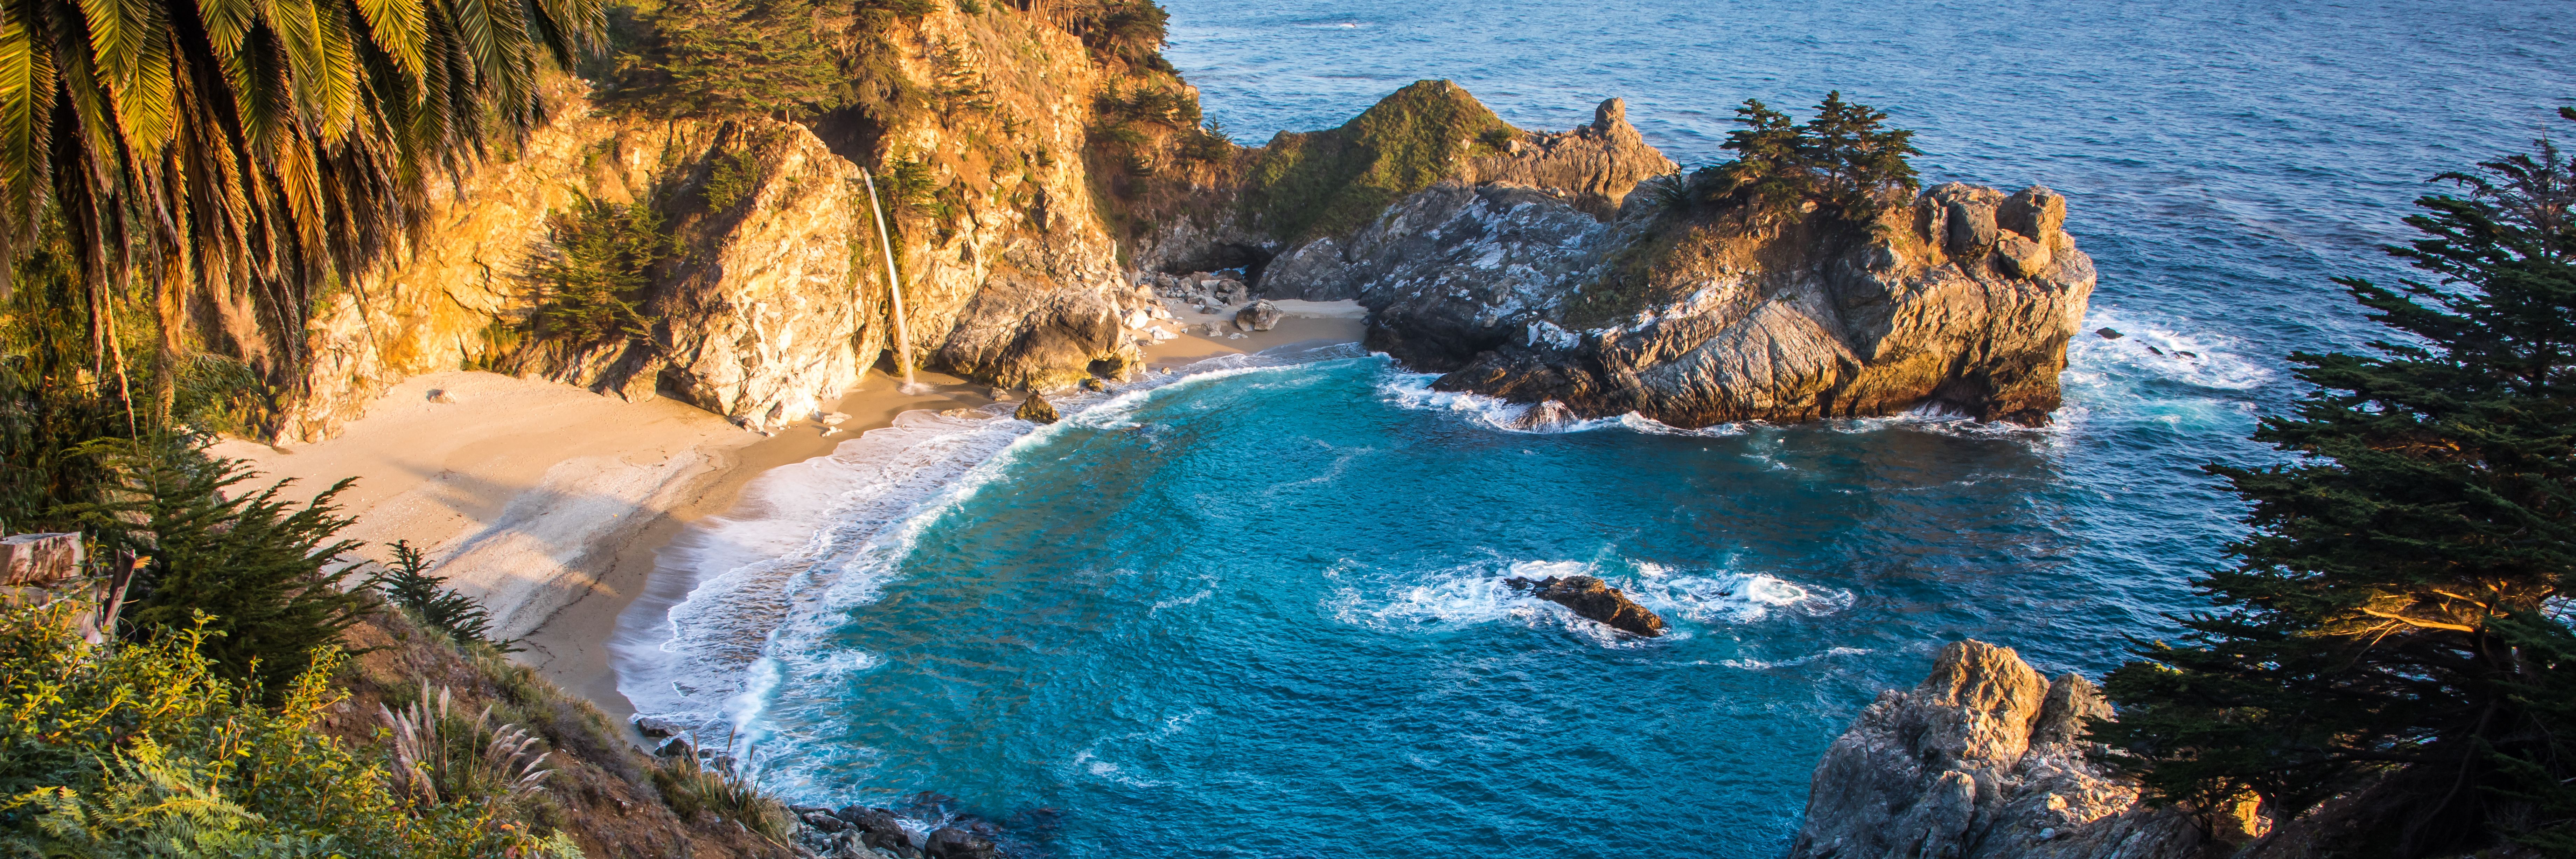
(1036, 410)
(1595, 600)
(1985, 760)
(952, 842)
(876, 827)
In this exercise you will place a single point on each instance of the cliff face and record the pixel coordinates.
(775, 299)
(1695, 322)
(1033, 175)
(1986, 760)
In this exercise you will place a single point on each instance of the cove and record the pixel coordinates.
(1260, 613)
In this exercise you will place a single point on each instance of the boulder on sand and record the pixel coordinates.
(1594, 600)
(1258, 316)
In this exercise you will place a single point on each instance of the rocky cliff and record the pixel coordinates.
(1962, 299)
(1986, 760)
(1033, 181)
(773, 299)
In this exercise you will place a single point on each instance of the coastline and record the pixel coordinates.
(554, 503)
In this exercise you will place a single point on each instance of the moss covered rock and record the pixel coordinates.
(1319, 183)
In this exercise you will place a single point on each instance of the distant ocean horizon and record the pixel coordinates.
(1257, 611)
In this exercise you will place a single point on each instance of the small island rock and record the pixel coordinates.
(1595, 600)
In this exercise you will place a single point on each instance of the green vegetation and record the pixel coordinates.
(1331, 182)
(1130, 31)
(257, 563)
(718, 58)
(146, 749)
(2394, 630)
(408, 583)
(724, 790)
(594, 287)
(1846, 161)
(265, 150)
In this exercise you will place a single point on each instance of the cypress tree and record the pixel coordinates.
(2379, 634)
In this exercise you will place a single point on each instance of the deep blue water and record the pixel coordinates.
(1255, 613)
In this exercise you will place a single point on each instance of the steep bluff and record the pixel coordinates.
(773, 300)
(1986, 760)
(1034, 179)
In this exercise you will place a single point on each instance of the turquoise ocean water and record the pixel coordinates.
(1253, 610)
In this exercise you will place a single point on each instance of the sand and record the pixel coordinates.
(549, 503)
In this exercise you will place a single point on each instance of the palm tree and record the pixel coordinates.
(239, 155)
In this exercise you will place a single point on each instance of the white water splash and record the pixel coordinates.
(738, 604)
(1480, 593)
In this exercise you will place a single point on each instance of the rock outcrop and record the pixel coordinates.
(1592, 599)
(1984, 760)
(1590, 169)
(1258, 316)
(1036, 410)
(775, 298)
(1699, 321)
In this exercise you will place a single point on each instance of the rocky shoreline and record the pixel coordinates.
(1986, 759)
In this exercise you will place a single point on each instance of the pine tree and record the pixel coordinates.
(408, 583)
(725, 58)
(1845, 160)
(1862, 161)
(1770, 173)
(2375, 632)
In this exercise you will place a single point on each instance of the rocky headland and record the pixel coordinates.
(1987, 759)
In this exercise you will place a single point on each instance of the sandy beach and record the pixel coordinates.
(549, 503)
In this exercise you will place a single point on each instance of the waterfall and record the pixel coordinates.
(894, 286)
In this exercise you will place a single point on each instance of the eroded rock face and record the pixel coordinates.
(1523, 296)
(1983, 760)
(776, 299)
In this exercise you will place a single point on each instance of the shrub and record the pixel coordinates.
(407, 582)
(731, 176)
(146, 749)
(1330, 182)
(720, 58)
(441, 756)
(725, 790)
(1131, 31)
(594, 286)
(1169, 108)
(1208, 144)
(257, 563)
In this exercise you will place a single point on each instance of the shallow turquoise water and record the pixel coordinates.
(1255, 612)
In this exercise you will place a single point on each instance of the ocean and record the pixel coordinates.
(1255, 609)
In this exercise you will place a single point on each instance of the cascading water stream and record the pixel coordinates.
(894, 287)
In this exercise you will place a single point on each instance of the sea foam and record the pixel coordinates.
(738, 602)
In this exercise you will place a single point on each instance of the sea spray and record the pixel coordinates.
(815, 538)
